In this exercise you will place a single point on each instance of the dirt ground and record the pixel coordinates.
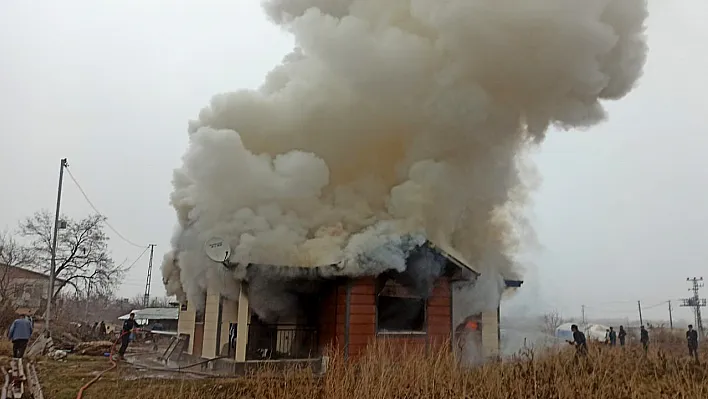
(62, 380)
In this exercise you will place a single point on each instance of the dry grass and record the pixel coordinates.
(5, 347)
(613, 373)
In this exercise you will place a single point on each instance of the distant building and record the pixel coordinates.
(161, 319)
(25, 289)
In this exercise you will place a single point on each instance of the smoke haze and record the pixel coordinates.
(391, 122)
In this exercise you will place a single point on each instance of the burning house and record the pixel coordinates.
(391, 125)
(413, 306)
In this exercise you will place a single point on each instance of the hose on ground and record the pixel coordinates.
(113, 366)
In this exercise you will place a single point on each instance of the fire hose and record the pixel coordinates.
(113, 366)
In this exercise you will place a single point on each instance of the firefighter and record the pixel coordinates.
(128, 327)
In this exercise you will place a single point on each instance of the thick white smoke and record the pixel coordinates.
(389, 118)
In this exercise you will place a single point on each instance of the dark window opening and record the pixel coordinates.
(184, 306)
(199, 317)
(397, 310)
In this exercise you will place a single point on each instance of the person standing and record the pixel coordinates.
(20, 332)
(613, 337)
(102, 330)
(644, 338)
(692, 340)
(622, 335)
(128, 327)
(581, 346)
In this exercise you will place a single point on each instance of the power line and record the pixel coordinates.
(662, 303)
(138, 258)
(615, 302)
(99, 212)
(627, 310)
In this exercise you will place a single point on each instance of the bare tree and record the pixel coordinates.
(12, 254)
(138, 301)
(83, 262)
(551, 321)
(161, 302)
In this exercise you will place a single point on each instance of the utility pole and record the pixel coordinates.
(53, 268)
(696, 302)
(671, 319)
(639, 305)
(582, 309)
(88, 297)
(146, 297)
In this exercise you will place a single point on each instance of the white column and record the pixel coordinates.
(242, 326)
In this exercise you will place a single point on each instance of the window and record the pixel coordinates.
(37, 292)
(183, 307)
(19, 290)
(397, 310)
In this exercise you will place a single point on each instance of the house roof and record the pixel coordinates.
(153, 314)
(456, 267)
(37, 274)
(452, 255)
(330, 269)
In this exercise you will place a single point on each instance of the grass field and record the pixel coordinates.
(607, 373)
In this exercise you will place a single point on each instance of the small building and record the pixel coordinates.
(343, 313)
(161, 319)
(26, 289)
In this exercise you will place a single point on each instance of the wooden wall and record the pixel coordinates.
(362, 319)
(440, 314)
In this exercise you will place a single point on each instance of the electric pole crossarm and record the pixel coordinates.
(696, 302)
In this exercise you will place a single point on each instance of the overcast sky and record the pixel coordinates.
(621, 214)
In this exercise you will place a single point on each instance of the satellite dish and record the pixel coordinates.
(217, 249)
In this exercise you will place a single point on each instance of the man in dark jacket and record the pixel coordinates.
(128, 327)
(644, 338)
(692, 340)
(581, 346)
(613, 337)
(622, 335)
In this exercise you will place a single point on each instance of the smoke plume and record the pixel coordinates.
(389, 123)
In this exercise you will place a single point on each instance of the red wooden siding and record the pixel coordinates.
(362, 319)
(362, 314)
(439, 314)
(327, 320)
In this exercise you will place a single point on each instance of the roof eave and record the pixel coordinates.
(456, 261)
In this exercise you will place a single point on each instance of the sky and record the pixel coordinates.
(620, 213)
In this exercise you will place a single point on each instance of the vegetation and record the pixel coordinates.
(666, 372)
(11, 254)
(86, 273)
(83, 261)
